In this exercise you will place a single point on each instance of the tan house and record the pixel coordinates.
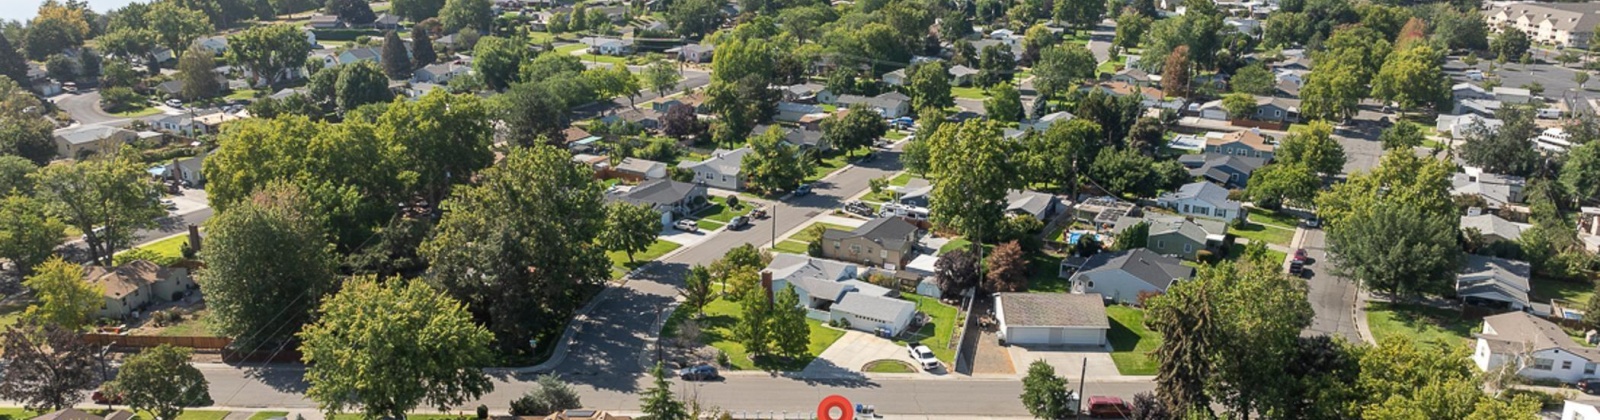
(885, 242)
(1568, 25)
(80, 141)
(1248, 143)
(133, 286)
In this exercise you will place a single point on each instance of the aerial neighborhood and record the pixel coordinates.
(690, 209)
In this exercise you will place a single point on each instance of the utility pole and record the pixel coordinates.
(1082, 373)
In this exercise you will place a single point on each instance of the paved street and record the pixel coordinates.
(1557, 80)
(85, 108)
(1100, 40)
(1331, 296)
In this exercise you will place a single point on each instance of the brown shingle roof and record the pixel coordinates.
(1053, 310)
(1249, 138)
(125, 279)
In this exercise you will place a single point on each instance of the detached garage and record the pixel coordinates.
(1052, 319)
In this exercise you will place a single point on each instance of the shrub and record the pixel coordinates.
(733, 201)
(722, 358)
(1145, 296)
(119, 99)
(483, 411)
(1205, 255)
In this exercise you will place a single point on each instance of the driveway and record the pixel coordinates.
(846, 357)
(1332, 297)
(1069, 363)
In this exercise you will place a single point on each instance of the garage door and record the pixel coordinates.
(1080, 336)
(1028, 335)
(1055, 336)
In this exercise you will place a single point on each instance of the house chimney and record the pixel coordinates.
(194, 238)
(766, 284)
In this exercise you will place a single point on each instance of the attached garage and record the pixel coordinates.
(1052, 319)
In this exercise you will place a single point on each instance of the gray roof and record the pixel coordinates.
(1490, 224)
(1496, 189)
(872, 306)
(795, 136)
(960, 70)
(639, 166)
(886, 101)
(1204, 191)
(891, 232)
(365, 53)
(1208, 164)
(1512, 330)
(1483, 274)
(722, 161)
(89, 133)
(1053, 310)
(1163, 225)
(820, 278)
(1032, 202)
(1573, 17)
(656, 192)
(1160, 271)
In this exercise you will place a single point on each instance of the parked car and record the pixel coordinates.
(1102, 407)
(686, 225)
(698, 373)
(1297, 267)
(1301, 256)
(858, 208)
(1589, 386)
(1313, 222)
(175, 103)
(802, 190)
(107, 398)
(169, 204)
(738, 222)
(923, 355)
(759, 213)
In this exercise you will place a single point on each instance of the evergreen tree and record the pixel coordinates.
(195, 69)
(396, 63)
(754, 328)
(790, 333)
(12, 64)
(659, 404)
(1133, 237)
(422, 53)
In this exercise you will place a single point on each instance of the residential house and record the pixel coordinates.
(84, 140)
(807, 93)
(1460, 91)
(1277, 110)
(359, 54)
(584, 414)
(1132, 76)
(1245, 26)
(895, 78)
(1231, 171)
(721, 170)
(1180, 237)
(1202, 199)
(890, 105)
(1044, 122)
(800, 137)
(1459, 126)
(598, 164)
(1573, 410)
(578, 137)
(131, 287)
(1497, 190)
(1293, 62)
(1122, 275)
(672, 198)
(693, 53)
(1564, 25)
(325, 22)
(179, 124)
(962, 75)
(1494, 282)
(643, 117)
(1286, 90)
(1291, 76)
(187, 169)
(440, 73)
(1512, 95)
(636, 170)
(1041, 206)
(1480, 107)
(216, 44)
(794, 111)
(693, 101)
(608, 46)
(884, 241)
(830, 291)
(1492, 228)
(1052, 319)
(386, 22)
(212, 122)
(1537, 349)
(1150, 97)
(1248, 143)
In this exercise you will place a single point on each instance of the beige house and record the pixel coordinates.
(883, 242)
(132, 286)
(78, 141)
(1567, 25)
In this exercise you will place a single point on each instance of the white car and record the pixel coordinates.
(923, 355)
(686, 225)
(175, 103)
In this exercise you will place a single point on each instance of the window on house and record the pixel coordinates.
(1161, 244)
(1187, 248)
(883, 253)
(1091, 283)
(1543, 364)
(835, 244)
(855, 249)
(1588, 368)
(1566, 365)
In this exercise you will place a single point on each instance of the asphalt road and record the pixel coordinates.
(1331, 296)
(85, 108)
(1557, 80)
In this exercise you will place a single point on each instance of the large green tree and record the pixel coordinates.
(418, 10)
(47, 367)
(106, 199)
(422, 348)
(197, 71)
(1510, 44)
(12, 64)
(694, 18)
(1004, 103)
(269, 52)
(439, 140)
(396, 58)
(64, 298)
(1508, 149)
(28, 235)
(1580, 175)
(661, 77)
(1253, 79)
(176, 26)
(268, 263)
(1045, 394)
(772, 165)
(856, 129)
(492, 249)
(1277, 183)
(929, 85)
(1413, 78)
(161, 380)
(1060, 154)
(1404, 135)
(790, 335)
(1312, 144)
(1394, 229)
(1061, 68)
(754, 328)
(972, 164)
(352, 11)
(457, 14)
(630, 228)
(360, 83)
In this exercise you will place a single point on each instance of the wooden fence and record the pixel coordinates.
(145, 341)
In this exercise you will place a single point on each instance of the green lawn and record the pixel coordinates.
(888, 366)
(136, 113)
(352, 416)
(603, 59)
(901, 180)
(894, 135)
(792, 247)
(1131, 342)
(968, 92)
(720, 212)
(1420, 323)
(569, 48)
(619, 260)
(17, 414)
(1046, 275)
(198, 325)
(805, 235)
(1577, 292)
(1432, 144)
(830, 163)
(1237, 249)
(170, 247)
(241, 94)
(717, 331)
(830, 108)
(1269, 217)
(189, 415)
(936, 333)
(1264, 233)
(264, 415)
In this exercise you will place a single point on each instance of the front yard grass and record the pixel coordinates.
(901, 180)
(241, 94)
(1235, 250)
(136, 113)
(620, 61)
(569, 48)
(716, 330)
(792, 247)
(1046, 275)
(720, 212)
(888, 366)
(264, 415)
(894, 135)
(805, 235)
(1131, 342)
(966, 92)
(170, 247)
(17, 414)
(1418, 323)
(936, 333)
(1263, 233)
(620, 266)
(1544, 289)
(832, 161)
(1272, 218)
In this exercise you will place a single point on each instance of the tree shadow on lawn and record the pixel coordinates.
(1423, 321)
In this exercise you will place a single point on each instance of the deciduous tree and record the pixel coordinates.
(417, 10)
(1060, 154)
(28, 235)
(662, 76)
(47, 367)
(972, 164)
(1062, 68)
(1253, 79)
(1004, 103)
(1412, 77)
(1045, 394)
(439, 140)
(1175, 75)
(360, 83)
(1510, 44)
(996, 63)
(697, 289)
(1581, 173)
(354, 11)
(196, 70)
(630, 228)
(176, 27)
(423, 348)
(106, 199)
(1007, 269)
(1507, 149)
(858, 128)
(772, 165)
(1239, 105)
(956, 271)
(1404, 135)
(268, 51)
(929, 85)
(161, 380)
(1312, 144)
(12, 64)
(65, 299)
(694, 18)
(1278, 183)
(681, 122)
(1133, 237)
(268, 263)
